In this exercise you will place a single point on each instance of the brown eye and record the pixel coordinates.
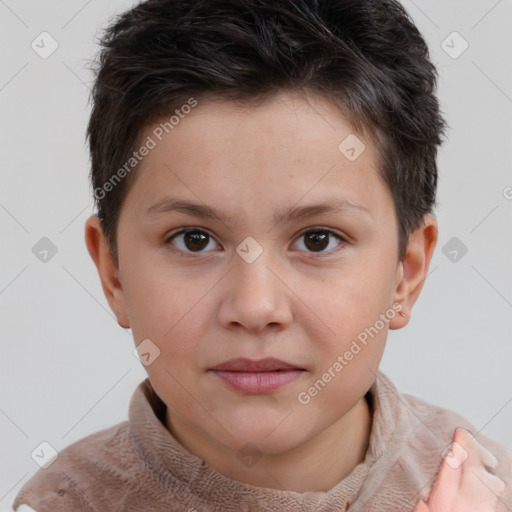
(195, 241)
(191, 240)
(317, 240)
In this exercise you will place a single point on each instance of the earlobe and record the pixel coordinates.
(414, 269)
(112, 287)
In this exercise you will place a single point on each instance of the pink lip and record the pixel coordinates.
(256, 376)
(242, 364)
(258, 382)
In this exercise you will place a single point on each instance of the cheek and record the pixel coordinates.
(342, 315)
(346, 297)
(155, 303)
(348, 367)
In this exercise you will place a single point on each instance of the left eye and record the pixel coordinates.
(317, 239)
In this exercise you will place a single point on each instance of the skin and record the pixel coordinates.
(299, 302)
(466, 481)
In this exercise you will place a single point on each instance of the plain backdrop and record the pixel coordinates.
(67, 369)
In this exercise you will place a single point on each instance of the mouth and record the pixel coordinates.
(256, 376)
(269, 364)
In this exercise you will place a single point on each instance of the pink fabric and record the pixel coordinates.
(138, 466)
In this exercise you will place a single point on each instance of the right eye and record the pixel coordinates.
(190, 240)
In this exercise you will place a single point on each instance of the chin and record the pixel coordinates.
(251, 439)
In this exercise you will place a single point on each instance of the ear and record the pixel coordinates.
(413, 269)
(112, 288)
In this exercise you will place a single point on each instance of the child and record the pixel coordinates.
(258, 129)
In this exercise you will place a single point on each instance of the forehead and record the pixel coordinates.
(290, 148)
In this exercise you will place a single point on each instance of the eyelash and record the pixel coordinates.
(315, 229)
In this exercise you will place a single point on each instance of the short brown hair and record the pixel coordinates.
(366, 56)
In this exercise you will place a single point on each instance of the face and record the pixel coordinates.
(299, 261)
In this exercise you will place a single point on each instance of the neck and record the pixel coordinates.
(308, 467)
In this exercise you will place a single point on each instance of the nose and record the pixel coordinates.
(255, 296)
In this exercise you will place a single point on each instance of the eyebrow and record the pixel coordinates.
(329, 205)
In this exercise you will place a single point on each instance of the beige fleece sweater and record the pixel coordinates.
(138, 466)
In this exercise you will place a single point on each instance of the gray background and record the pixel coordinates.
(67, 369)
